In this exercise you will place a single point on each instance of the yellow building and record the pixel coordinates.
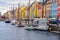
(8, 15)
(21, 12)
(35, 9)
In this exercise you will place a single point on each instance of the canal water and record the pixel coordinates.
(11, 32)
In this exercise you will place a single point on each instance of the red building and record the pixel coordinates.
(58, 8)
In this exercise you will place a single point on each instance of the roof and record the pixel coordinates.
(33, 3)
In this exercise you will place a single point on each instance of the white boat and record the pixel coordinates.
(40, 24)
(18, 24)
(13, 22)
(29, 27)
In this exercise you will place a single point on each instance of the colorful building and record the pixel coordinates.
(35, 10)
(48, 8)
(59, 8)
(21, 13)
(8, 15)
(54, 9)
(23, 10)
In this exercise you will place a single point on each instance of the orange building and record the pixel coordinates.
(48, 8)
(8, 15)
(35, 9)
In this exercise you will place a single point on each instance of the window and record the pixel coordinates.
(37, 22)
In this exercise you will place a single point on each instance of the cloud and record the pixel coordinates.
(5, 4)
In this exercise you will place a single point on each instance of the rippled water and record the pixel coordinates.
(10, 32)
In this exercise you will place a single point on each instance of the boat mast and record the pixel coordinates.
(18, 12)
(42, 8)
(13, 12)
(7, 14)
(28, 18)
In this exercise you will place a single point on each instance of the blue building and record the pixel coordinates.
(54, 10)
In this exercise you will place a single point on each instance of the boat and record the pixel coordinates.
(29, 27)
(28, 23)
(19, 24)
(38, 24)
(53, 24)
(13, 22)
(41, 24)
(7, 21)
(53, 20)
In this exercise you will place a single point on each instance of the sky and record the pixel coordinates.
(8, 4)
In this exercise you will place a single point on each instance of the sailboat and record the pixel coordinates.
(39, 23)
(7, 18)
(29, 20)
(19, 19)
(13, 20)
